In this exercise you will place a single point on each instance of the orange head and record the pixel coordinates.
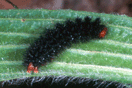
(103, 33)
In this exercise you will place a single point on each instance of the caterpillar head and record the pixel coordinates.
(103, 33)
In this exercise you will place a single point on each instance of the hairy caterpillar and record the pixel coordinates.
(57, 39)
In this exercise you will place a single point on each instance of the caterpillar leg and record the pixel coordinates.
(35, 70)
(32, 68)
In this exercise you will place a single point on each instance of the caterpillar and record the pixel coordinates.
(55, 40)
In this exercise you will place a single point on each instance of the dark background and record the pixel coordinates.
(105, 6)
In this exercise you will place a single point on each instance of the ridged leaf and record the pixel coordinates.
(109, 58)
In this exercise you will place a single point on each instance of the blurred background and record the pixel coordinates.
(106, 6)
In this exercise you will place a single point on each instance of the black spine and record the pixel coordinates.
(63, 35)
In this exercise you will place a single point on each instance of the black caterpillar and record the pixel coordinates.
(59, 38)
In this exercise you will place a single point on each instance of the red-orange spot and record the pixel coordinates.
(51, 59)
(42, 64)
(103, 33)
(23, 20)
(30, 67)
(35, 70)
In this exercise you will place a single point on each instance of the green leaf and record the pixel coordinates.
(109, 58)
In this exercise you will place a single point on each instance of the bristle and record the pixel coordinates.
(62, 36)
(61, 82)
